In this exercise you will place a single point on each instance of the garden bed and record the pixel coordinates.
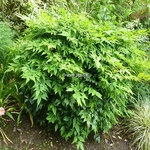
(26, 137)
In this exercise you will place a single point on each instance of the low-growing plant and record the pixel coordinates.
(75, 73)
(10, 99)
(137, 126)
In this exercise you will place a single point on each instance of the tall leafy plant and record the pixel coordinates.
(77, 74)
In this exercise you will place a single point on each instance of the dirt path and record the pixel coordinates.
(26, 138)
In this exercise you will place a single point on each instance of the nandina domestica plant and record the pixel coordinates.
(75, 73)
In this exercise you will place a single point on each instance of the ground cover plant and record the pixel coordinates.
(77, 74)
(137, 126)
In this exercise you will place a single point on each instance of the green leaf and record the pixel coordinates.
(69, 90)
(62, 130)
(81, 139)
(66, 118)
(18, 117)
(68, 135)
(10, 115)
(75, 140)
(56, 127)
(77, 97)
(94, 93)
(54, 110)
(77, 127)
(39, 100)
(80, 145)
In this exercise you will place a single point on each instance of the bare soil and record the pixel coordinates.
(25, 137)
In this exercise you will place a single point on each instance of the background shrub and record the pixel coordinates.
(117, 11)
(6, 40)
(76, 74)
(10, 99)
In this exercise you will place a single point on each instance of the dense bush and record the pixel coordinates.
(76, 74)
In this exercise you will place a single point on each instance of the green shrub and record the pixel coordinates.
(138, 124)
(76, 74)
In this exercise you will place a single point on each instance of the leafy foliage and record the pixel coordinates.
(76, 74)
(116, 11)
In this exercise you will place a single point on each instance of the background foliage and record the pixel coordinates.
(119, 12)
(10, 98)
(77, 74)
(6, 40)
